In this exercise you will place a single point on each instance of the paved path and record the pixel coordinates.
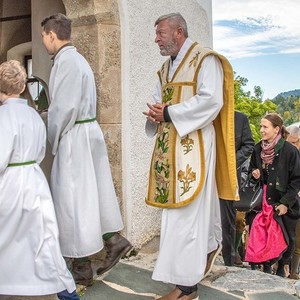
(131, 280)
(128, 282)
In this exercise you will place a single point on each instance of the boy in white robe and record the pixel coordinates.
(30, 257)
(188, 101)
(81, 183)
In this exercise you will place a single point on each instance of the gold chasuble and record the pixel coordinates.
(177, 171)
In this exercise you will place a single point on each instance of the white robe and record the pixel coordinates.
(83, 191)
(189, 233)
(31, 262)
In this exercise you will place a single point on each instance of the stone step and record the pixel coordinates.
(279, 295)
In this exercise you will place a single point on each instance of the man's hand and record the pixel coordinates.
(155, 113)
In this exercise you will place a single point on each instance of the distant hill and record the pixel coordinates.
(295, 93)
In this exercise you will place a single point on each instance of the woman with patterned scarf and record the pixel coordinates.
(277, 164)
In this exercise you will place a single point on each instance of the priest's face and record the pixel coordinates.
(166, 39)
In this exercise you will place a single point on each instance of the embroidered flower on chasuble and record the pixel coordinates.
(168, 95)
(193, 62)
(161, 164)
(186, 178)
(187, 144)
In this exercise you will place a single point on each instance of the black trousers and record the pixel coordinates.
(289, 224)
(186, 290)
(228, 215)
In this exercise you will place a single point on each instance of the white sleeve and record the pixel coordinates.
(151, 127)
(200, 110)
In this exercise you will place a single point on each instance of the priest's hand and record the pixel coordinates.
(155, 113)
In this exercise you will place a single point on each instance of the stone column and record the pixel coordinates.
(96, 35)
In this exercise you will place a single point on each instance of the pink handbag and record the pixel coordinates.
(266, 240)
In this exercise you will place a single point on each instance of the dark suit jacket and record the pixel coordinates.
(244, 142)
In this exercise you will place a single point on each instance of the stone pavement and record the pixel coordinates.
(131, 280)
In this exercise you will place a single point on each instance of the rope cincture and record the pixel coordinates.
(85, 121)
(31, 162)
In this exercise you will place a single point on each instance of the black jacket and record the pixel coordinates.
(244, 143)
(283, 182)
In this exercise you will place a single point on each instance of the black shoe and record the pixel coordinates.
(280, 270)
(267, 268)
(116, 247)
(177, 294)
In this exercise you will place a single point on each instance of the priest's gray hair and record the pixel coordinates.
(176, 20)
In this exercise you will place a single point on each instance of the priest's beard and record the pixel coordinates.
(170, 49)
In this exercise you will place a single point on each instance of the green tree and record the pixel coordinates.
(252, 105)
(289, 108)
(258, 93)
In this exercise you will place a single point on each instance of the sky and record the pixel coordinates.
(261, 39)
